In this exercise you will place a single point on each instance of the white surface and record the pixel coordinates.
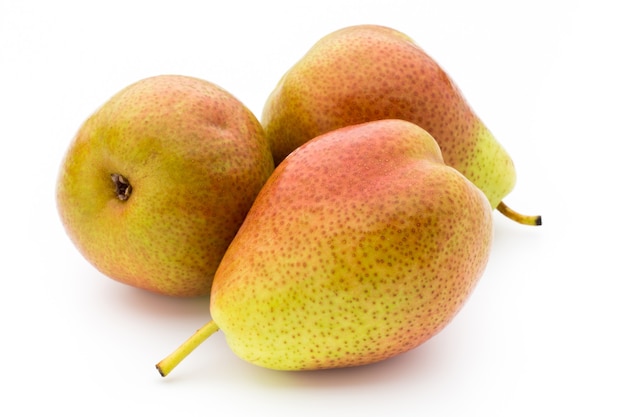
(541, 335)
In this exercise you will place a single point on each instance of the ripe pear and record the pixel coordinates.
(157, 181)
(367, 72)
(362, 245)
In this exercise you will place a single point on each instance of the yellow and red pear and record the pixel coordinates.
(368, 72)
(362, 245)
(158, 180)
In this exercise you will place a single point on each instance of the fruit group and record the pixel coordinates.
(365, 73)
(157, 181)
(362, 245)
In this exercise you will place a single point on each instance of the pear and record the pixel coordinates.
(368, 72)
(157, 181)
(362, 245)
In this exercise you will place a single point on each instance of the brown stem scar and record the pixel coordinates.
(123, 189)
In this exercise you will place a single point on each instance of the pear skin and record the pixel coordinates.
(362, 245)
(158, 180)
(368, 72)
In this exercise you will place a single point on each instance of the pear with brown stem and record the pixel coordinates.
(367, 72)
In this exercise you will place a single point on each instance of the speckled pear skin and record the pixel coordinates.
(364, 73)
(196, 158)
(362, 245)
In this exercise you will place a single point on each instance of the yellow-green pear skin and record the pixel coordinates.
(368, 72)
(158, 180)
(362, 245)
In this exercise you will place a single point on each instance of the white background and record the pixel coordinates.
(542, 333)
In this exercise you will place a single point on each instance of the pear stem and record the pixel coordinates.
(173, 359)
(520, 218)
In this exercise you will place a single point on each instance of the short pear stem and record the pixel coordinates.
(520, 218)
(173, 359)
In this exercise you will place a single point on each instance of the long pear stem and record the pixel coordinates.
(173, 359)
(520, 218)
